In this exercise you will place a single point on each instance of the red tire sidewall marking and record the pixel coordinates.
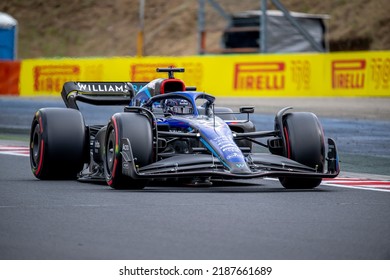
(115, 151)
(41, 148)
(287, 143)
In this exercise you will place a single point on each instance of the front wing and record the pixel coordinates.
(207, 166)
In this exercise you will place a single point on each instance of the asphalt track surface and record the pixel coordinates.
(259, 220)
(256, 219)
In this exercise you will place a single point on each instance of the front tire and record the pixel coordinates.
(137, 128)
(304, 144)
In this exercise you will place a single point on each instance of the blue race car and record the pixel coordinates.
(172, 133)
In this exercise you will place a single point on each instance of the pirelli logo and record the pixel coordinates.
(348, 74)
(193, 74)
(146, 72)
(259, 76)
(50, 78)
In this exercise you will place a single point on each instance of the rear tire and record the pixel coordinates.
(137, 128)
(58, 143)
(306, 145)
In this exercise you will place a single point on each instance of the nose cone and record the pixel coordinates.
(239, 168)
(218, 138)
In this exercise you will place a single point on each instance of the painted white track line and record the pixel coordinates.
(15, 150)
(359, 183)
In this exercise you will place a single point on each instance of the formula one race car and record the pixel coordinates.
(168, 131)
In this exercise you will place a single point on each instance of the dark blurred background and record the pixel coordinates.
(53, 28)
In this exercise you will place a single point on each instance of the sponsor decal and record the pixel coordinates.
(348, 74)
(301, 74)
(259, 76)
(146, 72)
(97, 144)
(102, 87)
(234, 155)
(380, 73)
(193, 75)
(230, 150)
(50, 78)
(138, 85)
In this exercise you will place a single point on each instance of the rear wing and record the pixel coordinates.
(99, 93)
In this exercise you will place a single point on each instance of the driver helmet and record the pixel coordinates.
(177, 107)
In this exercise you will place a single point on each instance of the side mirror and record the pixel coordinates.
(247, 110)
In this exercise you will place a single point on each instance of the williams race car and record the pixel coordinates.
(170, 132)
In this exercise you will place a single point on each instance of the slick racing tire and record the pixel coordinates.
(58, 144)
(138, 129)
(304, 144)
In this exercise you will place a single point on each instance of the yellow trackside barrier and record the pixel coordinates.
(347, 74)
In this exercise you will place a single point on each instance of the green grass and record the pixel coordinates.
(15, 137)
